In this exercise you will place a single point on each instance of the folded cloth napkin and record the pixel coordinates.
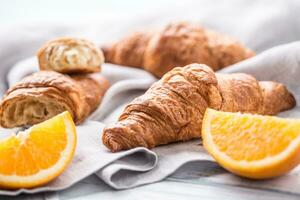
(260, 25)
(140, 166)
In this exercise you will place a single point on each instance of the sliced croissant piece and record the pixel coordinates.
(70, 55)
(45, 94)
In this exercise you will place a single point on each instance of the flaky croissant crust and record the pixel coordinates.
(46, 93)
(172, 109)
(178, 44)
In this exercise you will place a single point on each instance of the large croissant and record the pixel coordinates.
(177, 44)
(45, 94)
(172, 109)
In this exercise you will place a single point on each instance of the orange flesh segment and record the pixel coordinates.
(39, 150)
(263, 141)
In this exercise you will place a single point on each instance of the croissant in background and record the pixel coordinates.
(172, 109)
(70, 55)
(178, 44)
(45, 94)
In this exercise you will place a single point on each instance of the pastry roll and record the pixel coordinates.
(70, 55)
(172, 109)
(45, 94)
(177, 44)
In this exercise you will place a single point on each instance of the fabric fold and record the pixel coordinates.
(90, 157)
(140, 166)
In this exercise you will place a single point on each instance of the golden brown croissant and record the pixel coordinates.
(45, 94)
(70, 55)
(172, 109)
(177, 44)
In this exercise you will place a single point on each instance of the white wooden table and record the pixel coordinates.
(171, 188)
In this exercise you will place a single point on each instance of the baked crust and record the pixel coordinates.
(172, 109)
(178, 44)
(226, 50)
(129, 51)
(45, 94)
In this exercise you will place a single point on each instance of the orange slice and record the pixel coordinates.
(252, 146)
(39, 154)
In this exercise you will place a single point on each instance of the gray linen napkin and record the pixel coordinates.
(259, 24)
(90, 156)
(280, 64)
(141, 166)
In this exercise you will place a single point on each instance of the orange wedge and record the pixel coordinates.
(38, 155)
(252, 146)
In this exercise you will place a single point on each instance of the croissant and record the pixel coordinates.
(178, 44)
(172, 109)
(70, 55)
(45, 94)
